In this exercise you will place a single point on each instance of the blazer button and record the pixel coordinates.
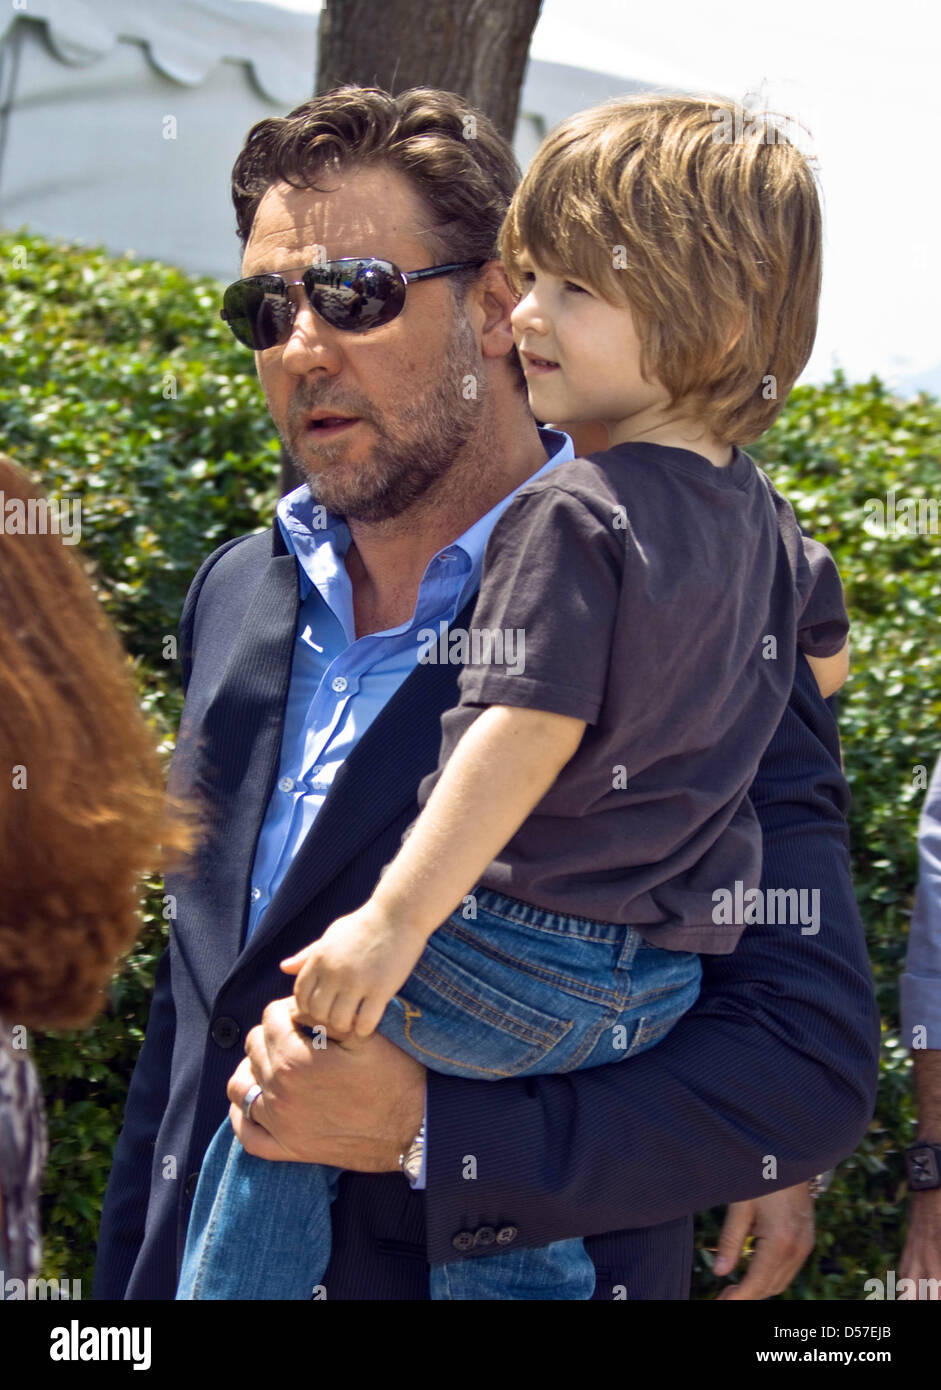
(225, 1032)
(464, 1240)
(189, 1188)
(507, 1234)
(485, 1236)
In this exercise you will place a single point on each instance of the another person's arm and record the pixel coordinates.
(921, 1029)
(830, 672)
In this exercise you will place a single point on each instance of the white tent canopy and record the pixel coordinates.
(120, 121)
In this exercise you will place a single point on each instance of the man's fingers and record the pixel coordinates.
(239, 1082)
(764, 1277)
(773, 1265)
(739, 1219)
(253, 1136)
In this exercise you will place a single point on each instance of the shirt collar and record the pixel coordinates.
(320, 538)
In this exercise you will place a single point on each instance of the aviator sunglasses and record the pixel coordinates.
(352, 294)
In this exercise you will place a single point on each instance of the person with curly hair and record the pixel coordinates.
(83, 814)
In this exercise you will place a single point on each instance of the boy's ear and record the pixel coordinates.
(490, 302)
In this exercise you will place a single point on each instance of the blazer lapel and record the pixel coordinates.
(240, 738)
(370, 789)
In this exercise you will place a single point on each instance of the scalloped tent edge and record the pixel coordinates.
(186, 39)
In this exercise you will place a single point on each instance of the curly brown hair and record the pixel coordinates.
(451, 153)
(83, 809)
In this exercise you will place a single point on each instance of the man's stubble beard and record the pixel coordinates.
(413, 452)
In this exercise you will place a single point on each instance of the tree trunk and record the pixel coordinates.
(477, 48)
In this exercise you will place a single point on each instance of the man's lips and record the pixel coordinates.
(325, 422)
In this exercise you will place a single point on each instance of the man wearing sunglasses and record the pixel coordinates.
(380, 322)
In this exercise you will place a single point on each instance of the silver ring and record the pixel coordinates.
(251, 1095)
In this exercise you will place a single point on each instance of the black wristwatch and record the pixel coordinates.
(923, 1166)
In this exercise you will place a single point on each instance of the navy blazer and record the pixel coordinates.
(773, 1071)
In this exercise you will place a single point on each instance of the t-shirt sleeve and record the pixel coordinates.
(822, 621)
(545, 616)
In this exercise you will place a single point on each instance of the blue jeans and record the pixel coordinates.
(514, 991)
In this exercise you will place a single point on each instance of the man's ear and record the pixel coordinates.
(490, 302)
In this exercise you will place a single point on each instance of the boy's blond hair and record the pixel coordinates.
(707, 220)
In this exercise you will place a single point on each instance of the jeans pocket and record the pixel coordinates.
(559, 957)
(464, 1023)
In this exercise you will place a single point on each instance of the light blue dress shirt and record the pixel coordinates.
(339, 682)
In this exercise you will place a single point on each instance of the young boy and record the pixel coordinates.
(588, 824)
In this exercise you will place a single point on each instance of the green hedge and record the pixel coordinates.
(119, 384)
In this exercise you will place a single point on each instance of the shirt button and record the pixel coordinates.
(225, 1032)
(507, 1234)
(316, 771)
(286, 784)
(464, 1240)
(485, 1236)
(338, 684)
(255, 894)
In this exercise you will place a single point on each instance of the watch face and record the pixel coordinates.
(923, 1168)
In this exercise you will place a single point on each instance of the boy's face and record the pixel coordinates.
(581, 355)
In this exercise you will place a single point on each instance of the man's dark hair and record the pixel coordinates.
(452, 154)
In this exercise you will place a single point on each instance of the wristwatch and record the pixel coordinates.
(923, 1166)
(410, 1161)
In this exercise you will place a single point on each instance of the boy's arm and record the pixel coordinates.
(502, 767)
(768, 1080)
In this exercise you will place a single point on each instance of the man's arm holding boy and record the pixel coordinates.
(770, 1079)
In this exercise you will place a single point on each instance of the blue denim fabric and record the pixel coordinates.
(510, 989)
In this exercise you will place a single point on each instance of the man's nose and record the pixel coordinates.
(313, 342)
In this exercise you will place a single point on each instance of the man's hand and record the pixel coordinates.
(783, 1227)
(351, 1104)
(347, 977)
(921, 1258)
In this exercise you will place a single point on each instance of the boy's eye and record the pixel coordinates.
(579, 289)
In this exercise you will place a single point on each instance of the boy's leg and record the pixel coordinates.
(522, 991)
(258, 1229)
(560, 1271)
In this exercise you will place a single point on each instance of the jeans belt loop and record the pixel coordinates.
(632, 939)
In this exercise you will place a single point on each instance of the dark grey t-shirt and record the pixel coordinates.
(662, 600)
